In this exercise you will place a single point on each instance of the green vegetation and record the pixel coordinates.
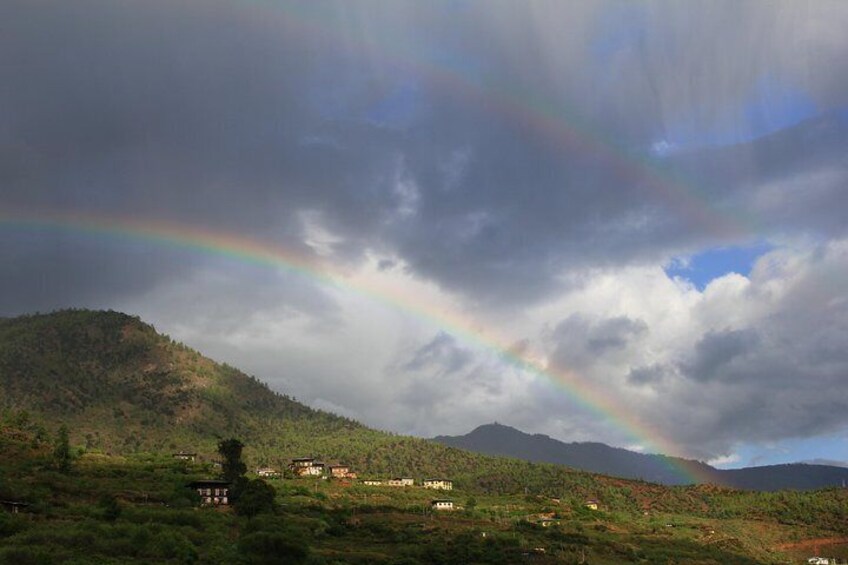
(107, 489)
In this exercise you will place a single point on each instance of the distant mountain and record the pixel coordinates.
(497, 439)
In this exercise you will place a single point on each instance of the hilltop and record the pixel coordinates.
(497, 439)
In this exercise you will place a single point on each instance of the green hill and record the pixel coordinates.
(131, 397)
(123, 388)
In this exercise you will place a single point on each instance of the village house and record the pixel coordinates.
(13, 506)
(306, 467)
(441, 484)
(591, 504)
(401, 482)
(213, 492)
(341, 472)
(372, 482)
(267, 472)
(441, 504)
(185, 456)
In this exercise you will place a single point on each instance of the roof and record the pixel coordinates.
(438, 500)
(303, 459)
(14, 503)
(210, 482)
(436, 480)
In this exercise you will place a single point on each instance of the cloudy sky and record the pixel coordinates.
(644, 203)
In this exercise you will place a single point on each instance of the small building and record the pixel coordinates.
(213, 492)
(302, 462)
(185, 456)
(13, 506)
(401, 482)
(340, 472)
(372, 482)
(267, 472)
(306, 467)
(441, 504)
(441, 484)
(591, 504)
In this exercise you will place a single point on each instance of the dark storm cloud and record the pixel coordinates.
(491, 146)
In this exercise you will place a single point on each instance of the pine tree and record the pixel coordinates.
(62, 451)
(232, 468)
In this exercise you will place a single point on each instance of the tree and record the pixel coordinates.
(232, 467)
(255, 497)
(62, 451)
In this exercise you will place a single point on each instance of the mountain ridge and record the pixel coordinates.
(596, 457)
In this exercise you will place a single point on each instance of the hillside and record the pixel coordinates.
(131, 397)
(497, 439)
(122, 388)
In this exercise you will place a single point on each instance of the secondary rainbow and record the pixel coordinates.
(580, 390)
(551, 120)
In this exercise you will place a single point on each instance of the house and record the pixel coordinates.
(213, 492)
(185, 456)
(301, 463)
(13, 506)
(401, 482)
(591, 504)
(372, 482)
(341, 472)
(442, 484)
(267, 472)
(441, 504)
(306, 467)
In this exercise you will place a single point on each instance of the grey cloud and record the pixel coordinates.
(615, 333)
(649, 375)
(442, 353)
(716, 350)
(581, 342)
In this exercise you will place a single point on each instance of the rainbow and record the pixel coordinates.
(554, 122)
(589, 397)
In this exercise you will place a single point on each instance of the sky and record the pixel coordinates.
(602, 221)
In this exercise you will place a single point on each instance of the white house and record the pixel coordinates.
(441, 484)
(441, 504)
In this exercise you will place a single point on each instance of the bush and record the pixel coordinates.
(271, 548)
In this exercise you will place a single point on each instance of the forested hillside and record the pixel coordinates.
(123, 388)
